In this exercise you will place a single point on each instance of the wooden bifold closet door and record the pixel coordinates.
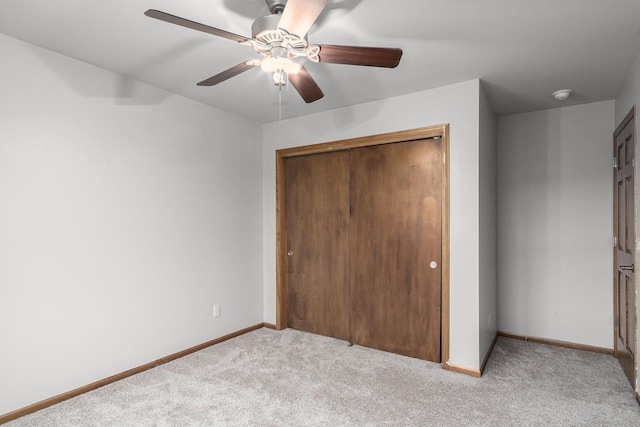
(363, 235)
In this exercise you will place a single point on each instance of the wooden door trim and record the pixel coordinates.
(438, 131)
(628, 118)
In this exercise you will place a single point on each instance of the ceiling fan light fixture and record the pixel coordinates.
(280, 78)
(272, 64)
(277, 60)
(293, 68)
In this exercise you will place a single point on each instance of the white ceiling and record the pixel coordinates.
(522, 50)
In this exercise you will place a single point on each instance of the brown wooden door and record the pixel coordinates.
(395, 247)
(317, 233)
(625, 292)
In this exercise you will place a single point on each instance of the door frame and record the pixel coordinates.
(631, 116)
(430, 132)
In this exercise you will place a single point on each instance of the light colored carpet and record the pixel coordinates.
(291, 378)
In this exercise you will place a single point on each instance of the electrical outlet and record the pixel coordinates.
(216, 310)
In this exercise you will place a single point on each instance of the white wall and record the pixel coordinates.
(126, 213)
(456, 105)
(555, 224)
(629, 93)
(488, 294)
(628, 96)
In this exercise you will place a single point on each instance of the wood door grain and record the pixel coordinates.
(625, 284)
(395, 234)
(317, 239)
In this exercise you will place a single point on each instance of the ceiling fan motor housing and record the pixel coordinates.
(276, 6)
(265, 29)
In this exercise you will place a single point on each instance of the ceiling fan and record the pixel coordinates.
(281, 38)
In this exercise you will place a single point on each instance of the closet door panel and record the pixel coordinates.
(317, 237)
(395, 248)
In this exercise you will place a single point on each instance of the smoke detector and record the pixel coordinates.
(562, 94)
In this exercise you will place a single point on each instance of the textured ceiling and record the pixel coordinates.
(522, 50)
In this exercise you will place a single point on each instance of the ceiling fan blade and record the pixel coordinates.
(306, 86)
(366, 56)
(299, 15)
(227, 74)
(194, 25)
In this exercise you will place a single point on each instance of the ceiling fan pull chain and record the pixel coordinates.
(280, 105)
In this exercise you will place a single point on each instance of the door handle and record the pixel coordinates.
(627, 267)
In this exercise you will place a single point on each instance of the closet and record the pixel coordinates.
(362, 235)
